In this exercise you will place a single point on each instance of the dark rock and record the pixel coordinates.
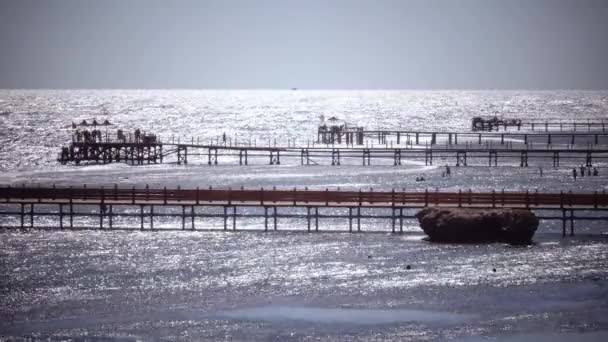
(515, 226)
(408, 267)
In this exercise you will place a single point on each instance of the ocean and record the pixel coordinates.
(289, 285)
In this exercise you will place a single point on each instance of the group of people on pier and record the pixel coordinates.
(87, 136)
(584, 169)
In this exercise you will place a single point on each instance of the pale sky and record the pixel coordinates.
(309, 44)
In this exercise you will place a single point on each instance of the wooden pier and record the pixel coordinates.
(546, 125)
(104, 206)
(571, 131)
(398, 137)
(458, 155)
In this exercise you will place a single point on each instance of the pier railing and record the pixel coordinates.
(104, 205)
(296, 197)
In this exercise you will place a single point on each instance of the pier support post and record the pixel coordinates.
(266, 219)
(243, 157)
(212, 156)
(101, 212)
(234, 217)
(350, 219)
(32, 215)
(316, 219)
(366, 157)
(308, 217)
(71, 214)
(182, 155)
(225, 218)
(22, 215)
(588, 160)
(428, 157)
(493, 156)
(335, 157)
(275, 157)
(393, 220)
(61, 216)
(183, 217)
(274, 217)
(401, 220)
(571, 222)
(397, 157)
(523, 159)
(192, 215)
(304, 157)
(461, 158)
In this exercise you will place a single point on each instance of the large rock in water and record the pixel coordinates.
(515, 226)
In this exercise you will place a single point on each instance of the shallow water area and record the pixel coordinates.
(343, 315)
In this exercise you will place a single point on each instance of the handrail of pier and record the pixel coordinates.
(294, 196)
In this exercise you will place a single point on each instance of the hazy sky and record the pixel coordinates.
(321, 44)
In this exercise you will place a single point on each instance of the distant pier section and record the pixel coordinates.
(91, 144)
(340, 143)
(495, 123)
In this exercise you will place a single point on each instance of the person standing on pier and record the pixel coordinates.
(574, 173)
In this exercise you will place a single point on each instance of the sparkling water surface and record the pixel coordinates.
(291, 285)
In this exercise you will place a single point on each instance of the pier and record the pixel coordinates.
(553, 124)
(458, 155)
(399, 137)
(146, 205)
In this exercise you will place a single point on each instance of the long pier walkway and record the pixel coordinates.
(459, 155)
(543, 125)
(106, 205)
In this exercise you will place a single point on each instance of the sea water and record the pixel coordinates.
(290, 285)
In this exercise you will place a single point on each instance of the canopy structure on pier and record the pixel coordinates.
(333, 130)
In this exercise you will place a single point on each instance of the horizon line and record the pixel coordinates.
(318, 89)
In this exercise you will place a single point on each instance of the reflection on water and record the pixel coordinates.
(342, 315)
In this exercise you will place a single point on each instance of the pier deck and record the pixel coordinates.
(458, 155)
(105, 205)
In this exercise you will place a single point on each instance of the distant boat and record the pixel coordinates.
(294, 88)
